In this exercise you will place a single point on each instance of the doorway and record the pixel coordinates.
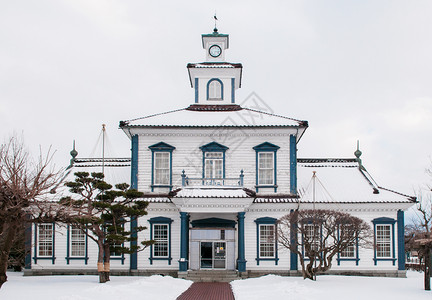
(213, 255)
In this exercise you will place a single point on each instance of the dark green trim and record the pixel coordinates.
(36, 257)
(385, 221)
(356, 252)
(134, 163)
(266, 147)
(241, 261)
(293, 164)
(68, 241)
(294, 243)
(196, 90)
(266, 221)
(214, 147)
(401, 240)
(160, 221)
(232, 90)
(161, 147)
(134, 185)
(28, 243)
(213, 223)
(184, 241)
(134, 243)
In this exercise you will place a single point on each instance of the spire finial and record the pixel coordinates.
(74, 153)
(358, 153)
(215, 30)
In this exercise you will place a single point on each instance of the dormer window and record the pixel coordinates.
(215, 89)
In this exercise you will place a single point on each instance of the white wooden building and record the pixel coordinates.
(218, 176)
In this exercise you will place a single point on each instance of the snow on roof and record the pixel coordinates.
(216, 117)
(116, 170)
(214, 192)
(341, 181)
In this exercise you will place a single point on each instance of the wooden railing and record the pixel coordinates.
(226, 182)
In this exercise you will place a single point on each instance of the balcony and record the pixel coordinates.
(212, 182)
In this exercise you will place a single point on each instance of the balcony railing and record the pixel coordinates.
(212, 182)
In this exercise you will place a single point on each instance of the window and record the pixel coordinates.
(46, 242)
(116, 251)
(160, 232)
(78, 242)
(214, 162)
(266, 240)
(161, 165)
(348, 252)
(44, 237)
(160, 236)
(312, 236)
(161, 168)
(266, 166)
(384, 240)
(213, 165)
(345, 232)
(214, 89)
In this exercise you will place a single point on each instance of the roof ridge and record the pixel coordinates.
(412, 198)
(126, 122)
(326, 160)
(301, 122)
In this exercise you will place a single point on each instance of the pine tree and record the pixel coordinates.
(105, 214)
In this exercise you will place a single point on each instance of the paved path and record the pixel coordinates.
(208, 291)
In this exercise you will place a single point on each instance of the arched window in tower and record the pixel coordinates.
(214, 89)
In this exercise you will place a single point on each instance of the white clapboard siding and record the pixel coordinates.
(167, 211)
(60, 254)
(240, 156)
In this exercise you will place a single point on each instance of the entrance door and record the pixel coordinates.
(219, 255)
(213, 255)
(206, 255)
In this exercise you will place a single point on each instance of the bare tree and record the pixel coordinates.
(423, 217)
(317, 236)
(23, 184)
(422, 241)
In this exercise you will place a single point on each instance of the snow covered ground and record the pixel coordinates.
(167, 288)
(88, 288)
(331, 288)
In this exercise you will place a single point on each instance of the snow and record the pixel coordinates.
(340, 183)
(244, 117)
(215, 192)
(166, 288)
(155, 287)
(331, 288)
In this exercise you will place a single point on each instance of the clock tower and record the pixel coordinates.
(215, 80)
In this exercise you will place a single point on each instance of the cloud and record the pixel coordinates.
(413, 115)
(111, 17)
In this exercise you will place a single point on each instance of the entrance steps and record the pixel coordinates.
(210, 275)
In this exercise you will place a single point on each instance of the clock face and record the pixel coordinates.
(215, 51)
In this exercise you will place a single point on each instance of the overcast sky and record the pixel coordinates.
(356, 70)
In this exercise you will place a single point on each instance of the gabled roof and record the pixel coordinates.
(339, 180)
(116, 170)
(212, 116)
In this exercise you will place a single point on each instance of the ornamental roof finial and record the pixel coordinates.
(215, 30)
(358, 153)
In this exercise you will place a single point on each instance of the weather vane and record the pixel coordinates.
(216, 19)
